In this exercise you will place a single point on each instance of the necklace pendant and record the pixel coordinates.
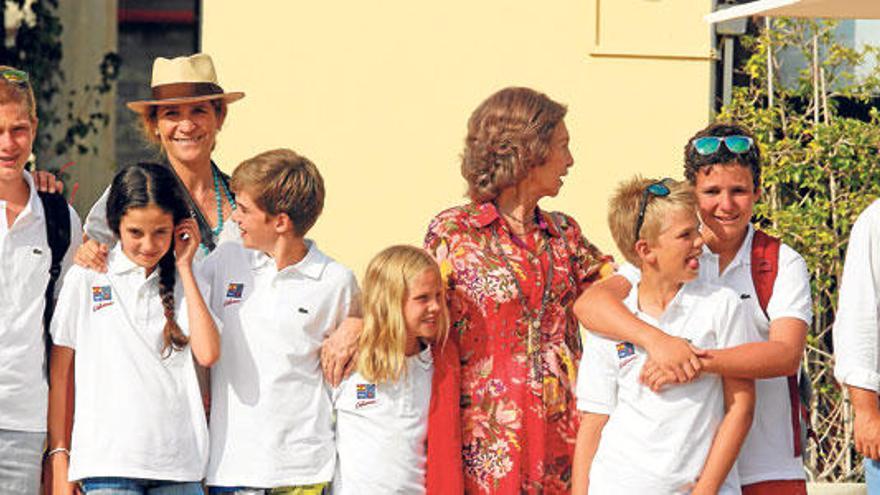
(536, 324)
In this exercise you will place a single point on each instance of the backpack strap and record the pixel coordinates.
(765, 268)
(57, 218)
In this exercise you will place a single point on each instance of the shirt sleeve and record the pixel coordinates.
(791, 291)
(96, 226)
(597, 377)
(630, 272)
(588, 259)
(71, 299)
(856, 325)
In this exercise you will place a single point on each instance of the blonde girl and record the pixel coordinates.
(382, 408)
(129, 339)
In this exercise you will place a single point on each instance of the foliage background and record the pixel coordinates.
(819, 136)
(67, 115)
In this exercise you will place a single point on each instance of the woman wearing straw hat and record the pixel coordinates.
(183, 117)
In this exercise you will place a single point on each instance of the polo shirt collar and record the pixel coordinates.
(484, 214)
(312, 265)
(31, 210)
(681, 303)
(119, 264)
(424, 357)
(743, 254)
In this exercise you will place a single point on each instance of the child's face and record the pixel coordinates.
(677, 248)
(17, 134)
(255, 225)
(726, 197)
(423, 305)
(146, 234)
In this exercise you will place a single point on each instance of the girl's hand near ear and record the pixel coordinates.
(186, 242)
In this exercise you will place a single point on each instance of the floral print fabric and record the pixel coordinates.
(513, 427)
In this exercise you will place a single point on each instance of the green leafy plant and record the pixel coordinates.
(820, 171)
(36, 48)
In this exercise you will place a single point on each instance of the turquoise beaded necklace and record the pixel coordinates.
(217, 182)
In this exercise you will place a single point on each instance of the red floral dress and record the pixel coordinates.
(503, 409)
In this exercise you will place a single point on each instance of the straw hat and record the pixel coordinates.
(184, 80)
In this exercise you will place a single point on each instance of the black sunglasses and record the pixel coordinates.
(658, 189)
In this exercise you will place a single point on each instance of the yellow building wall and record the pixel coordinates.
(378, 93)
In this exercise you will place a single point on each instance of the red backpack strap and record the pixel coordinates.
(765, 268)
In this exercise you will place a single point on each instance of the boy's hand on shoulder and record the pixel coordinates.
(867, 434)
(338, 350)
(91, 254)
(671, 357)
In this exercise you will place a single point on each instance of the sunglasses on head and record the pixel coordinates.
(657, 189)
(736, 143)
(15, 76)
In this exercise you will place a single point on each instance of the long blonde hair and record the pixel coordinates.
(382, 344)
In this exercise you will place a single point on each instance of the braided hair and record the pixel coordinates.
(140, 186)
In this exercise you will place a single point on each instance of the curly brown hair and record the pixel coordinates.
(508, 135)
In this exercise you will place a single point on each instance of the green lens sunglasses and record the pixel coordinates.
(657, 189)
(736, 143)
(15, 76)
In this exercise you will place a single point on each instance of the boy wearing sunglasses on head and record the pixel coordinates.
(686, 440)
(723, 164)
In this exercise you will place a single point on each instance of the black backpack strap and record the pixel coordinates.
(57, 217)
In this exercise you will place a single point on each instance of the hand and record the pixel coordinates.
(338, 350)
(655, 377)
(47, 182)
(676, 356)
(92, 255)
(867, 434)
(186, 242)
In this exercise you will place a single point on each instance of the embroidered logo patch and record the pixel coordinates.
(233, 294)
(625, 350)
(102, 296)
(102, 293)
(234, 290)
(366, 391)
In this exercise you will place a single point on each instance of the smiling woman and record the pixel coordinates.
(183, 118)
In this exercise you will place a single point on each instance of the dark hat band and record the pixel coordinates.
(185, 90)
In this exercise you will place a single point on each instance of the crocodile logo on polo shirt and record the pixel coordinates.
(233, 294)
(102, 296)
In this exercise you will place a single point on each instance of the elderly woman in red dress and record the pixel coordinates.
(503, 416)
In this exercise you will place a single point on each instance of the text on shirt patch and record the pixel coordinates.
(626, 352)
(233, 294)
(103, 296)
(366, 394)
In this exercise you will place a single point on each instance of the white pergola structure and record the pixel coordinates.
(830, 9)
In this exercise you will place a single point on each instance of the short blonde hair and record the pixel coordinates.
(382, 343)
(281, 181)
(623, 212)
(21, 93)
(508, 135)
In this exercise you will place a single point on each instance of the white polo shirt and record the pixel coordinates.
(857, 324)
(271, 414)
(381, 431)
(768, 453)
(25, 259)
(658, 443)
(137, 414)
